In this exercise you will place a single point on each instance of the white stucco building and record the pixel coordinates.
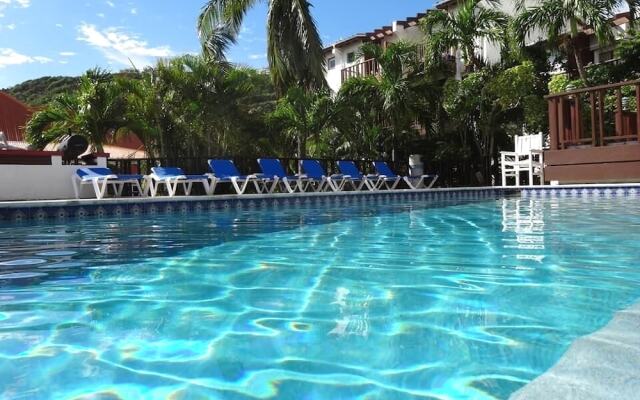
(343, 60)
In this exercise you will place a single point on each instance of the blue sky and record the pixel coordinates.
(67, 37)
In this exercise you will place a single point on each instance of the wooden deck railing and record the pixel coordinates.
(371, 66)
(365, 68)
(595, 116)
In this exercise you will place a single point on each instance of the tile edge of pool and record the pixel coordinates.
(41, 210)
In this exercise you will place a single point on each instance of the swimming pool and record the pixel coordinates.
(400, 300)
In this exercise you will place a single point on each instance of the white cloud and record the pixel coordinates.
(110, 4)
(59, 25)
(257, 56)
(15, 3)
(63, 62)
(101, 15)
(67, 53)
(42, 60)
(134, 11)
(10, 27)
(12, 57)
(122, 47)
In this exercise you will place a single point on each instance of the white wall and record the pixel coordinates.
(334, 76)
(41, 182)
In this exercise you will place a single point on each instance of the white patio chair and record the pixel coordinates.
(527, 157)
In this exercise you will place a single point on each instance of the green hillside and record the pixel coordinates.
(37, 92)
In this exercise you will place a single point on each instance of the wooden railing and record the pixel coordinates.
(365, 68)
(595, 116)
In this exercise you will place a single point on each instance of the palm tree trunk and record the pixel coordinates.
(573, 24)
(302, 146)
(580, 65)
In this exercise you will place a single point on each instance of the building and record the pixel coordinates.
(14, 116)
(343, 60)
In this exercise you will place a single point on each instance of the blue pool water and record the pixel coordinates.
(385, 301)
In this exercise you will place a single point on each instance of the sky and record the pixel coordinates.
(67, 37)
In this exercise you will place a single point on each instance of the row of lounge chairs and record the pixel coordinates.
(272, 178)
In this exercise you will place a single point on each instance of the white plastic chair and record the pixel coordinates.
(527, 157)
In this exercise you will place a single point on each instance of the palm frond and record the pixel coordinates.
(294, 48)
(219, 25)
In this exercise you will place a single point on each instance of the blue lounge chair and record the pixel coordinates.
(272, 169)
(225, 171)
(100, 178)
(171, 177)
(355, 177)
(313, 170)
(390, 180)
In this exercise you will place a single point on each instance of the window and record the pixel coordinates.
(331, 63)
(351, 57)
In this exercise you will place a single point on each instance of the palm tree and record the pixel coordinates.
(395, 88)
(304, 115)
(564, 20)
(294, 48)
(189, 107)
(94, 111)
(360, 127)
(462, 29)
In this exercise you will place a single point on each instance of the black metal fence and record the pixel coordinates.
(199, 165)
(452, 174)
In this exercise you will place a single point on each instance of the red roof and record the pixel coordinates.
(13, 117)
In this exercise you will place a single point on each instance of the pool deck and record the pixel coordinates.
(602, 365)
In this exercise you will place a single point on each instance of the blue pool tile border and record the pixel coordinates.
(582, 191)
(90, 208)
(79, 209)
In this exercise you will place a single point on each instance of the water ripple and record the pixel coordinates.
(392, 301)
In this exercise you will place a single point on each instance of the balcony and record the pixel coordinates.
(594, 134)
(364, 68)
(372, 68)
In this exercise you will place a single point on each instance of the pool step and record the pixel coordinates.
(603, 365)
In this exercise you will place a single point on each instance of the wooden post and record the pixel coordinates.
(553, 122)
(592, 100)
(638, 112)
(619, 122)
(561, 127)
(601, 116)
(578, 128)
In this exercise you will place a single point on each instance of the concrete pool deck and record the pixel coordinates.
(603, 365)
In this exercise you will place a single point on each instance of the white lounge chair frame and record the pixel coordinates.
(335, 183)
(100, 183)
(153, 183)
(418, 182)
(239, 183)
